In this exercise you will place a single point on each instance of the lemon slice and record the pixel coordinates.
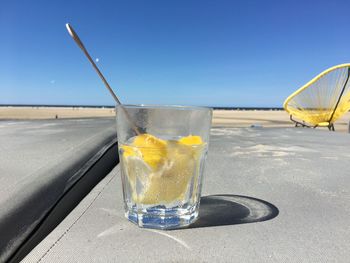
(171, 181)
(153, 149)
(160, 171)
(191, 140)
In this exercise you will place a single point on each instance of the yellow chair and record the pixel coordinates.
(321, 101)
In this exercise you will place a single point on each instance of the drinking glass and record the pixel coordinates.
(162, 153)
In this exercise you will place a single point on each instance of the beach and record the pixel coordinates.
(221, 118)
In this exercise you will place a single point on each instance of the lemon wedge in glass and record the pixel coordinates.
(159, 171)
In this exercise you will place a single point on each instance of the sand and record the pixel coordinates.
(52, 112)
(265, 118)
(221, 118)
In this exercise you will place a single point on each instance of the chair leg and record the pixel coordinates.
(297, 123)
(331, 127)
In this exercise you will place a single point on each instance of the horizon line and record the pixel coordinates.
(111, 106)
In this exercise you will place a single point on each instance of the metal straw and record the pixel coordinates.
(77, 40)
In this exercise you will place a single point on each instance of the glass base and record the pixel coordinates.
(160, 217)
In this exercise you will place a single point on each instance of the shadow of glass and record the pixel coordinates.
(221, 210)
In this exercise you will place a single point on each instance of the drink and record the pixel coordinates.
(162, 176)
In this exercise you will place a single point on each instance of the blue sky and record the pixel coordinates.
(214, 53)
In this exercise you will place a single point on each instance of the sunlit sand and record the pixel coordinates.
(221, 118)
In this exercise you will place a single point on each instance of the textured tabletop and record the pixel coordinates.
(269, 195)
(26, 147)
(40, 161)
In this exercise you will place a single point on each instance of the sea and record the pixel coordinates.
(111, 106)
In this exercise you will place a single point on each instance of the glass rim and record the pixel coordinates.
(159, 106)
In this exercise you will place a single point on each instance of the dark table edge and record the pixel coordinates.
(69, 200)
